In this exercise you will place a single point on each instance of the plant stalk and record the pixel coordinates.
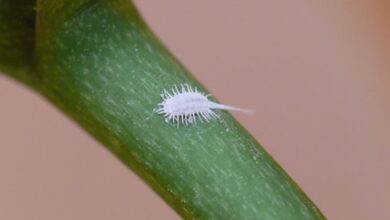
(99, 63)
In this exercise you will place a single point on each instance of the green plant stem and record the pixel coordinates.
(98, 62)
(17, 27)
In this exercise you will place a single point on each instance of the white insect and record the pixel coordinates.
(185, 104)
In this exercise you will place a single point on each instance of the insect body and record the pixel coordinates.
(185, 104)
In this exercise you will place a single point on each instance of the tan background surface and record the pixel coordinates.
(316, 72)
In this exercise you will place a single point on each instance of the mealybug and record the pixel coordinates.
(185, 104)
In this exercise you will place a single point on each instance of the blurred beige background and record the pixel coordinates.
(316, 72)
